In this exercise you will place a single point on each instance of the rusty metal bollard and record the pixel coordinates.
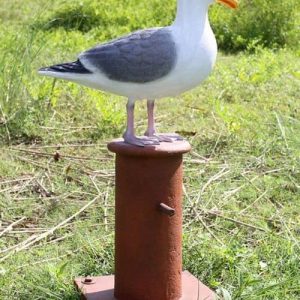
(148, 240)
(148, 261)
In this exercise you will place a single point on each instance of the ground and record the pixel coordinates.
(241, 184)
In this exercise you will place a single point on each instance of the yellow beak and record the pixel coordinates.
(229, 3)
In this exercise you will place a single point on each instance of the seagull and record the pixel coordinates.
(149, 64)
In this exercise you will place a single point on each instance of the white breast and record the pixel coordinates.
(197, 53)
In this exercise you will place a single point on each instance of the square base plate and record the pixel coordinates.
(102, 288)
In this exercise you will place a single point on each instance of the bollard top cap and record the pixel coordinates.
(164, 149)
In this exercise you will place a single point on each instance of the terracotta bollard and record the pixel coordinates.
(148, 259)
(148, 238)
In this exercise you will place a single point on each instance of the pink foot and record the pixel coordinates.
(167, 138)
(140, 142)
(163, 138)
(176, 137)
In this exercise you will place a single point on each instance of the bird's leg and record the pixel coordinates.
(151, 121)
(129, 135)
(151, 131)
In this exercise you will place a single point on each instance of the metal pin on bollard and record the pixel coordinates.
(148, 231)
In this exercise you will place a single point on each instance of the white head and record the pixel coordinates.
(194, 12)
(206, 3)
(229, 3)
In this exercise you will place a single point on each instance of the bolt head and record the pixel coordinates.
(88, 280)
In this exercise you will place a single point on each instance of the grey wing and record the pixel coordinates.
(140, 57)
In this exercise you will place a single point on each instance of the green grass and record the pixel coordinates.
(242, 180)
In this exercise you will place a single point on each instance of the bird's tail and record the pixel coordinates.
(66, 70)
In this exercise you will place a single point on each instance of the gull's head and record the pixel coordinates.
(228, 3)
(206, 3)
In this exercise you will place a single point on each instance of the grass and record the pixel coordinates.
(242, 180)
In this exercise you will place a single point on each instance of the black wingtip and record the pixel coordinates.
(46, 69)
(72, 67)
